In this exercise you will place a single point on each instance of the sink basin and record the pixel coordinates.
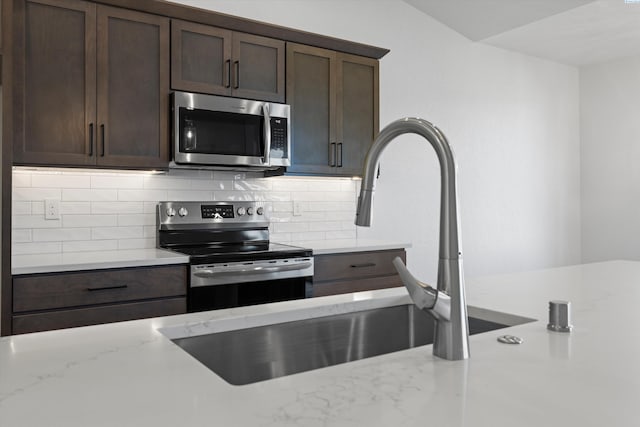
(250, 355)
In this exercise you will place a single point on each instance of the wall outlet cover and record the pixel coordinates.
(52, 209)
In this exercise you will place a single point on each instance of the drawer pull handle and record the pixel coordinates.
(107, 288)
(363, 265)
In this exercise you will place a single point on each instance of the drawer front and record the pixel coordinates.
(348, 286)
(355, 265)
(59, 319)
(65, 290)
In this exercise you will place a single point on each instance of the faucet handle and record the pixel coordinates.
(424, 296)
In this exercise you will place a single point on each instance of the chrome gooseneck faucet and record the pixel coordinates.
(446, 303)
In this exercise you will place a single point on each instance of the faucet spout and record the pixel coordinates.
(447, 303)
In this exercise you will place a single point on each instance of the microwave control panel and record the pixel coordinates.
(279, 136)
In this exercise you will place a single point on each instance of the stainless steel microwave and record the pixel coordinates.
(218, 131)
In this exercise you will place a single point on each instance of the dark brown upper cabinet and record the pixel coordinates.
(213, 60)
(334, 110)
(92, 86)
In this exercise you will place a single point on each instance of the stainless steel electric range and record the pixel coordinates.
(232, 261)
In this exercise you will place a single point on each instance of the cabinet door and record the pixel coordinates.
(311, 82)
(258, 67)
(200, 58)
(357, 111)
(55, 82)
(133, 88)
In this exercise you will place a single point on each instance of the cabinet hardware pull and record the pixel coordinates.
(227, 77)
(102, 137)
(90, 139)
(363, 265)
(332, 154)
(236, 65)
(340, 154)
(107, 288)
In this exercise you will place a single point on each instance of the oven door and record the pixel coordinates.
(235, 284)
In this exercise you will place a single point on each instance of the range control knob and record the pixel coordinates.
(249, 211)
(171, 212)
(260, 211)
(241, 211)
(183, 211)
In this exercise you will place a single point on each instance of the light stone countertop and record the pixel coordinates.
(323, 247)
(93, 260)
(130, 374)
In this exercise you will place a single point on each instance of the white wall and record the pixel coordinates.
(610, 139)
(511, 119)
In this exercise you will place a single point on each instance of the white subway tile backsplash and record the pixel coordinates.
(89, 195)
(343, 234)
(21, 208)
(117, 181)
(253, 185)
(136, 219)
(32, 221)
(325, 226)
(60, 181)
(36, 248)
(142, 195)
(316, 235)
(290, 227)
(159, 182)
(90, 245)
(105, 233)
(110, 211)
(19, 179)
(78, 208)
(136, 244)
(29, 193)
(21, 236)
(116, 207)
(202, 184)
(189, 195)
(69, 221)
(61, 234)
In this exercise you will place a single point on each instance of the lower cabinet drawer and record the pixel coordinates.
(343, 273)
(82, 288)
(58, 319)
(348, 286)
(355, 265)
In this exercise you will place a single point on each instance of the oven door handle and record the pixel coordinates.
(256, 269)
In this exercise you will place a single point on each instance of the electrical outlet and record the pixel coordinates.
(52, 209)
(297, 208)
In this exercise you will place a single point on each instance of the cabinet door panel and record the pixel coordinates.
(311, 81)
(258, 67)
(357, 114)
(133, 86)
(54, 105)
(200, 58)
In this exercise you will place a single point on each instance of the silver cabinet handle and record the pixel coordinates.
(252, 270)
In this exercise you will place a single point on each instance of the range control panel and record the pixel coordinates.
(184, 213)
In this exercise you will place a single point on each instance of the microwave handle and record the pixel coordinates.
(266, 160)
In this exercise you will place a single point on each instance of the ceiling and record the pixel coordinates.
(575, 32)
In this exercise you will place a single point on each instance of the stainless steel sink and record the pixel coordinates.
(250, 355)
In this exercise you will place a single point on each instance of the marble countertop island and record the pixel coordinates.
(130, 374)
